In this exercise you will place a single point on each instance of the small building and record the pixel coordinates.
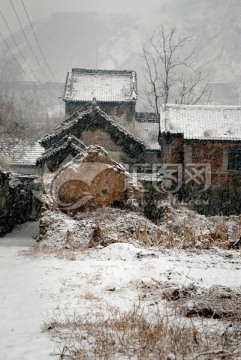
(114, 90)
(20, 156)
(202, 144)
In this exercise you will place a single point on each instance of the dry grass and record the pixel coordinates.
(134, 335)
(38, 251)
(170, 236)
(103, 227)
(217, 302)
(89, 296)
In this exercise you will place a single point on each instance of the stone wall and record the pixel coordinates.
(18, 202)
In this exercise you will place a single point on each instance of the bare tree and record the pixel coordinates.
(169, 70)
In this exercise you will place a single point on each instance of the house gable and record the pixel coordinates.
(92, 120)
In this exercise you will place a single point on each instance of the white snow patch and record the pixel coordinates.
(33, 290)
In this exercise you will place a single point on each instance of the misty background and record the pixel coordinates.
(110, 35)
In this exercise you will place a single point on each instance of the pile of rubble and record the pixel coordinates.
(107, 225)
(99, 227)
(92, 201)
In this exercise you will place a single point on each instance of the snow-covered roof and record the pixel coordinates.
(20, 153)
(203, 122)
(148, 133)
(91, 119)
(103, 85)
(75, 145)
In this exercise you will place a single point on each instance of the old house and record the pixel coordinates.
(201, 147)
(192, 152)
(19, 155)
(93, 126)
(114, 90)
(115, 123)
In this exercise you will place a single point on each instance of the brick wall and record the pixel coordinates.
(223, 195)
(216, 154)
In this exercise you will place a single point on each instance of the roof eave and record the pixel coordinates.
(99, 101)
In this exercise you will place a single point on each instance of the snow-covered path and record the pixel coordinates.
(33, 289)
(22, 303)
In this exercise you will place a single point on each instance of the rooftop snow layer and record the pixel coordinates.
(21, 153)
(204, 122)
(103, 85)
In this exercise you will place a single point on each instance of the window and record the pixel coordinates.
(234, 159)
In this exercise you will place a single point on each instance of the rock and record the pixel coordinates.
(18, 202)
(235, 244)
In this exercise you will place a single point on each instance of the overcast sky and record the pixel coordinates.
(38, 9)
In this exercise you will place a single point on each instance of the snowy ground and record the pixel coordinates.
(34, 289)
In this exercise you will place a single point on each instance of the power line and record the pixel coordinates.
(18, 47)
(28, 41)
(38, 41)
(14, 57)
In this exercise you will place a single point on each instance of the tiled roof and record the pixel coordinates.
(20, 153)
(103, 85)
(91, 119)
(67, 142)
(148, 133)
(204, 122)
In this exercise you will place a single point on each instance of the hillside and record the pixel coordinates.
(111, 41)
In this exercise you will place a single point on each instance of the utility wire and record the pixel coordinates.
(15, 42)
(14, 57)
(26, 12)
(28, 41)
